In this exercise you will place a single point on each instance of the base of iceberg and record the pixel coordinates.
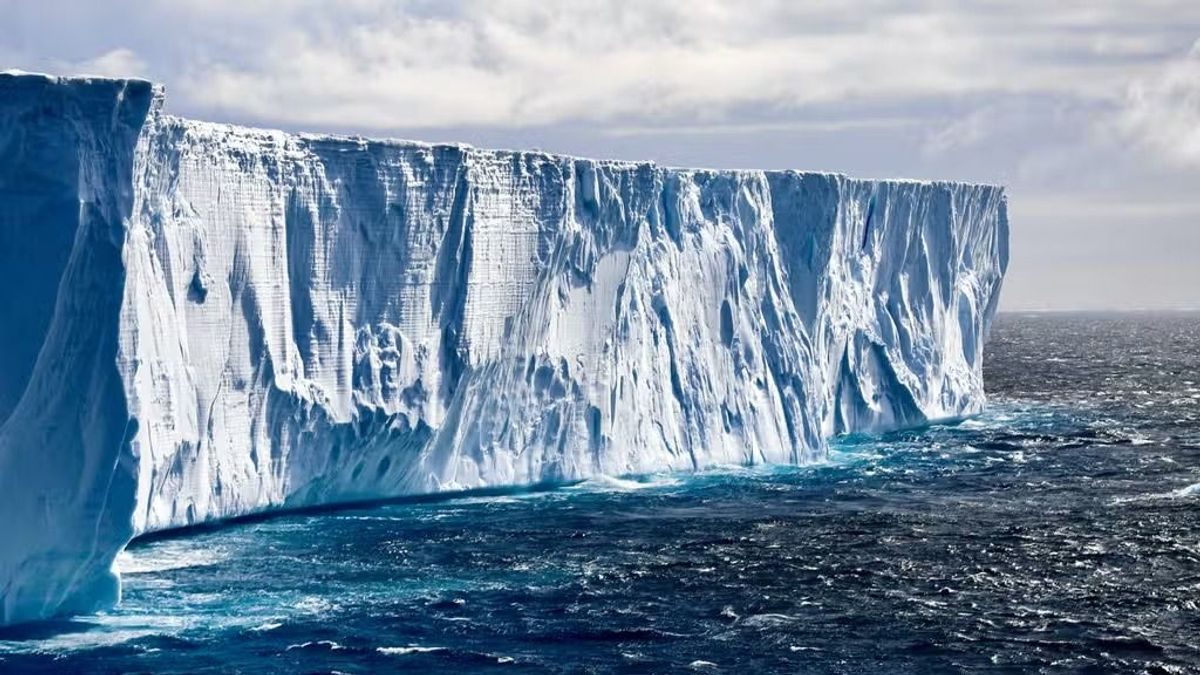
(203, 321)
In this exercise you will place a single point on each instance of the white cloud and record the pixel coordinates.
(120, 62)
(415, 63)
(963, 132)
(1163, 113)
(401, 64)
(821, 126)
(1022, 92)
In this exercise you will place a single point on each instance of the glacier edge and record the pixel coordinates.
(247, 320)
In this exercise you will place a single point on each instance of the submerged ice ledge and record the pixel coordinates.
(202, 321)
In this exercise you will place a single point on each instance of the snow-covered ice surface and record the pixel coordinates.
(202, 321)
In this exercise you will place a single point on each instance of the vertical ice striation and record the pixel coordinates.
(203, 321)
(67, 466)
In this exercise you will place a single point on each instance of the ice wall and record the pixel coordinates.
(67, 466)
(247, 320)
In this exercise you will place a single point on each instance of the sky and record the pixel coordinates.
(1088, 112)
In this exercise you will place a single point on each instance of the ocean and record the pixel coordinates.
(1058, 532)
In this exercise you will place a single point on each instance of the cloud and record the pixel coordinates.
(120, 62)
(378, 65)
(821, 126)
(963, 132)
(1023, 92)
(515, 62)
(1162, 114)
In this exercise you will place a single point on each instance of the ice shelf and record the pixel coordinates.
(201, 321)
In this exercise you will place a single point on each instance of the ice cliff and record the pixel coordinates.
(200, 321)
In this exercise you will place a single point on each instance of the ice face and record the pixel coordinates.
(203, 321)
(67, 464)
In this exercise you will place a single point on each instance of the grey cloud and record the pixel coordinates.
(1064, 101)
(1163, 113)
(380, 65)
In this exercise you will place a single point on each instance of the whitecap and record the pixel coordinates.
(1185, 492)
(312, 604)
(328, 644)
(768, 620)
(1189, 491)
(626, 484)
(411, 649)
(166, 559)
(77, 641)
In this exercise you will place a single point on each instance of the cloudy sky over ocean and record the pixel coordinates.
(1088, 111)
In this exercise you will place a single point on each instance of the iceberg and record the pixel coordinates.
(201, 321)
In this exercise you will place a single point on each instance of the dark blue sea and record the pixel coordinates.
(1059, 532)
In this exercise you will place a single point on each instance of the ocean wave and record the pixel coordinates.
(412, 649)
(150, 560)
(609, 483)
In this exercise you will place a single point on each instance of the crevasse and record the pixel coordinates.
(201, 321)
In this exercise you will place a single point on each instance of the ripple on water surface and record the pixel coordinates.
(1056, 532)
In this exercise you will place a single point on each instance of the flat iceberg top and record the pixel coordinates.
(220, 130)
(13, 80)
(265, 135)
(66, 80)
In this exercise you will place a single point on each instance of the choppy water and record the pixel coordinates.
(1061, 531)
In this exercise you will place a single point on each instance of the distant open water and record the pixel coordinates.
(1058, 532)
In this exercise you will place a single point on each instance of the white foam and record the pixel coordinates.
(1189, 491)
(165, 558)
(327, 644)
(412, 649)
(612, 483)
(1186, 492)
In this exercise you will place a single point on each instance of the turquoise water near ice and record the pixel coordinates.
(1057, 532)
